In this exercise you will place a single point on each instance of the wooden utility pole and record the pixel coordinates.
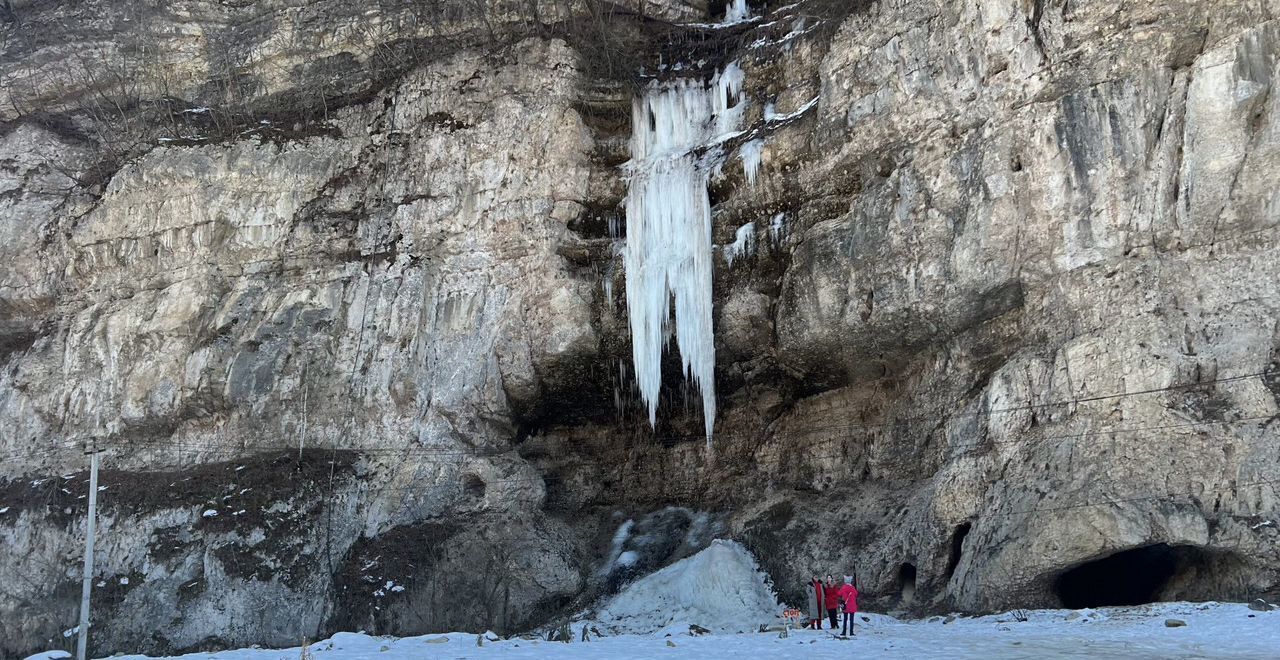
(82, 643)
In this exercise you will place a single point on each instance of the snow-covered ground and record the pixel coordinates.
(722, 589)
(1212, 631)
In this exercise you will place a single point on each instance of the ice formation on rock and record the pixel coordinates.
(619, 538)
(744, 243)
(778, 228)
(750, 154)
(736, 10)
(668, 253)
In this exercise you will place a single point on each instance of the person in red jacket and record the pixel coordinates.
(849, 602)
(831, 601)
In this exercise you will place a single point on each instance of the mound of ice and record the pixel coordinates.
(721, 589)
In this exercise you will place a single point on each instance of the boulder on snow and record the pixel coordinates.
(1259, 605)
(1174, 623)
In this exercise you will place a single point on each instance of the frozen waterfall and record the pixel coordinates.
(675, 129)
(736, 10)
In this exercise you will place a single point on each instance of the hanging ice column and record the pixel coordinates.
(668, 251)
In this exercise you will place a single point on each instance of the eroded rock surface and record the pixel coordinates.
(378, 290)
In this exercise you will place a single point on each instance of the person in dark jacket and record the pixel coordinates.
(816, 600)
(831, 599)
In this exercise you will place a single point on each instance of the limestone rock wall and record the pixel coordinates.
(1051, 203)
(1010, 311)
(379, 284)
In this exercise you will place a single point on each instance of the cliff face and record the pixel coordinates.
(345, 279)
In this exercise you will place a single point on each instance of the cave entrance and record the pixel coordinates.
(907, 583)
(473, 486)
(957, 547)
(1131, 577)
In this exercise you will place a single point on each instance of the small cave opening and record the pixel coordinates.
(957, 547)
(473, 486)
(1130, 577)
(906, 583)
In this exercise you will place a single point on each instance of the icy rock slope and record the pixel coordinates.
(721, 589)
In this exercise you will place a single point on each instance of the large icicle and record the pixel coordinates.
(668, 253)
(750, 153)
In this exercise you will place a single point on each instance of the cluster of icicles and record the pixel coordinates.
(675, 127)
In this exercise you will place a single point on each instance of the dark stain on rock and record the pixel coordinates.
(446, 122)
(399, 557)
(169, 542)
(998, 301)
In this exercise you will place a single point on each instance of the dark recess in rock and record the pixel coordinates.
(957, 547)
(1130, 577)
(906, 584)
(1153, 573)
(473, 486)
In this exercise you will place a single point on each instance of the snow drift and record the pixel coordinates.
(721, 589)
